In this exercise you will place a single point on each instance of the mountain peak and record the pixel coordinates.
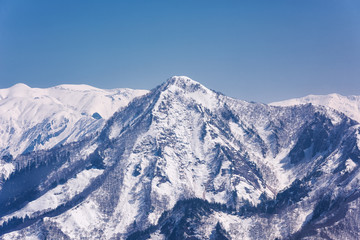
(17, 90)
(20, 85)
(182, 81)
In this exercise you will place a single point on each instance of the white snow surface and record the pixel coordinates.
(57, 196)
(349, 166)
(23, 109)
(349, 105)
(40, 118)
(6, 169)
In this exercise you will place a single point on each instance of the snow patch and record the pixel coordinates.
(80, 221)
(5, 170)
(349, 166)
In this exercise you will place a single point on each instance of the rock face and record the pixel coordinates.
(185, 162)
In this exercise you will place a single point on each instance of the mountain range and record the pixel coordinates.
(177, 162)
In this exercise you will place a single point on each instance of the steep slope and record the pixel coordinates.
(184, 161)
(33, 119)
(349, 105)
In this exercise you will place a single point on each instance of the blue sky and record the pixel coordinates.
(254, 50)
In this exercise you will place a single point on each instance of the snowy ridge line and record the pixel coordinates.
(349, 105)
(45, 117)
(184, 161)
(33, 119)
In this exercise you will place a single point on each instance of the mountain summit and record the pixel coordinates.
(183, 161)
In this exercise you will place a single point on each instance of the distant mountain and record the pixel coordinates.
(349, 105)
(33, 118)
(185, 162)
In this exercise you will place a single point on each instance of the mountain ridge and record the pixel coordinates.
(35, 118)
(258, 171)
(349, 105)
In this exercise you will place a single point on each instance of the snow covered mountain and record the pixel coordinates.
(185, 162)
(33, 119)
(349, 105)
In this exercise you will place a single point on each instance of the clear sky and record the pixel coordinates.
(254, 50)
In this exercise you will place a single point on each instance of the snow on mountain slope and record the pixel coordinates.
(34, 118)
(186, 162)
(349, 105)
(57, 196)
